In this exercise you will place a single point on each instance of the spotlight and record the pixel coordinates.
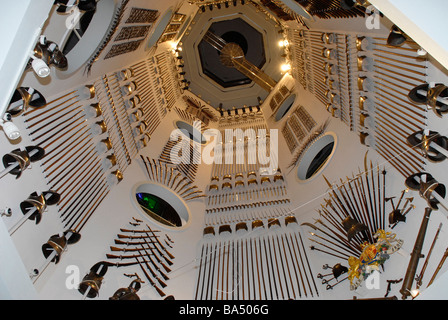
(218, 5)
(286, 67)
(202, 8)
(226, 4)
(40, 67)
(210, 6)
(10, 129)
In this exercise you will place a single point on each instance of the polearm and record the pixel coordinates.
(363, 203)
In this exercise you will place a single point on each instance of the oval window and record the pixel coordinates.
(285, 107)
(159, 209)
(315, 159)
(191, 132)
(161, 205)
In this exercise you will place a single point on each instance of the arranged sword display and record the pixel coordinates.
(267, 262)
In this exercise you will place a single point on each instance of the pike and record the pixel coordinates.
(86, 175)
(338, 202)
(287, 264)
(341, 240)
(439, 267)
(292, 261)
(257, 264)
(81, 163)
(325, 213)
(53, 101)
(276, 265)
(362, 199)
(308, 264)
(412, 85)
(398, 136)
(407, 105)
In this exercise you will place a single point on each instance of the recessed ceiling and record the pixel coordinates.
(220, 85)
(239, 32)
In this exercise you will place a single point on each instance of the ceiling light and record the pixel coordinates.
(285, 67)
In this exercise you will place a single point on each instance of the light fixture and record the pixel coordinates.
(10, 129)
(285, 67)
(40, 67)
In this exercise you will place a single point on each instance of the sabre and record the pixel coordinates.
(419, 278)
(442, 261)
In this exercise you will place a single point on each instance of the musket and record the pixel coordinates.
(160, 292)
(155, 256)
(416, 255)
(161, 245)
(122, 236)
(442, 261)
(139, 231)
(419, 278)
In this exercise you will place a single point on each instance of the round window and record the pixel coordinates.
(316, 157)
(191, 132)
(80, 43)
(285, 107)
(161, 205)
